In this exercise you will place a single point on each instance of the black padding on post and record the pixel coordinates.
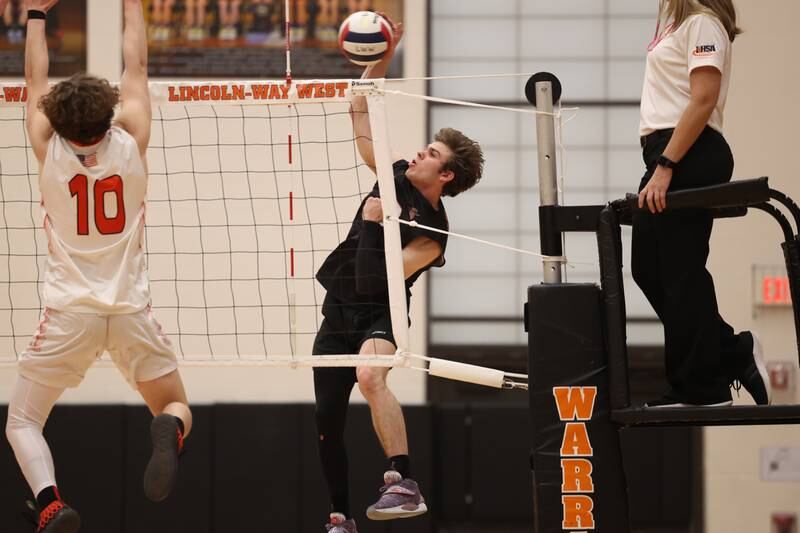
(194, 489)
(609, 244)
(549, 233)
(569, 217)
(734, 194)
(494, 428)
(567, 350)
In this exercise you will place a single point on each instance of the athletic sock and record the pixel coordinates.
(401, 464)
(340, 503)
(47, 496)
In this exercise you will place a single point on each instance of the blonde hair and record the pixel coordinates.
(679, 10)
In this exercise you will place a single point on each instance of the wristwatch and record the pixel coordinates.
(666, 162)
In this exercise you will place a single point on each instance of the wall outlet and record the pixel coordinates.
(780, 463)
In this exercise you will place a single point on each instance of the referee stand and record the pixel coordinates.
(578, 362)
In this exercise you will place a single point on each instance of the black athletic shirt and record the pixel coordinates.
(338, 273)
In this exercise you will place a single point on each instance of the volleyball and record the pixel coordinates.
(365, 37)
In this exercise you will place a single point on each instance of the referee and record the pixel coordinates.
(685, 87)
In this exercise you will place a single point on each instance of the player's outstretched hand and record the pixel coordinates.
(397, 29)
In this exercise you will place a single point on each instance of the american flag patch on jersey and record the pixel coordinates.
(89, 160)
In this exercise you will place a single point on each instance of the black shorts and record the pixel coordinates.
(347, 326)
(344, 330)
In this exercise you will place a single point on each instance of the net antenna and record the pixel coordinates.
(288, 23)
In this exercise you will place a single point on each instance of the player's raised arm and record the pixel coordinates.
(359, 111)
(37, 65)
(135, 112)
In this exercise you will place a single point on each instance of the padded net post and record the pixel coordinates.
(578, 477)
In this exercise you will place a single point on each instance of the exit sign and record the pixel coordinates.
(771, 286)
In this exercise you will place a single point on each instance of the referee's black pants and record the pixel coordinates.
(669, 252)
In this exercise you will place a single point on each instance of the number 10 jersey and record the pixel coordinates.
(93, 199)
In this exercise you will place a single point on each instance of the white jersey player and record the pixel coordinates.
(93, 182)
(93, 202)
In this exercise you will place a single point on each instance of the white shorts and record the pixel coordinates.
(66, 344)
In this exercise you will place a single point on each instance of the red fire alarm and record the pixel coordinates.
(780, 376)
(782, 379)
(784, 523)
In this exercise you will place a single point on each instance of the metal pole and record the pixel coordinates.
(548, 187)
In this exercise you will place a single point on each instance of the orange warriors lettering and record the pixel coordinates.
(575, 403)
(576, 475)
(575, 407)
(576, 440)
(577, 512)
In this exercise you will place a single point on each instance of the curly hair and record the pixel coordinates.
(80, 109)
(466, 162)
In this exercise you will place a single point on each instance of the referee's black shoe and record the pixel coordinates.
(751, 372)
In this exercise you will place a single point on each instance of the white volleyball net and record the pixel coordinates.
(251, 185)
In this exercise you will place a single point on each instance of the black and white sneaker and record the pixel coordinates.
(753, 376)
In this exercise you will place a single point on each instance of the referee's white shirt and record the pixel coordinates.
(700, 41)
(93, 201)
